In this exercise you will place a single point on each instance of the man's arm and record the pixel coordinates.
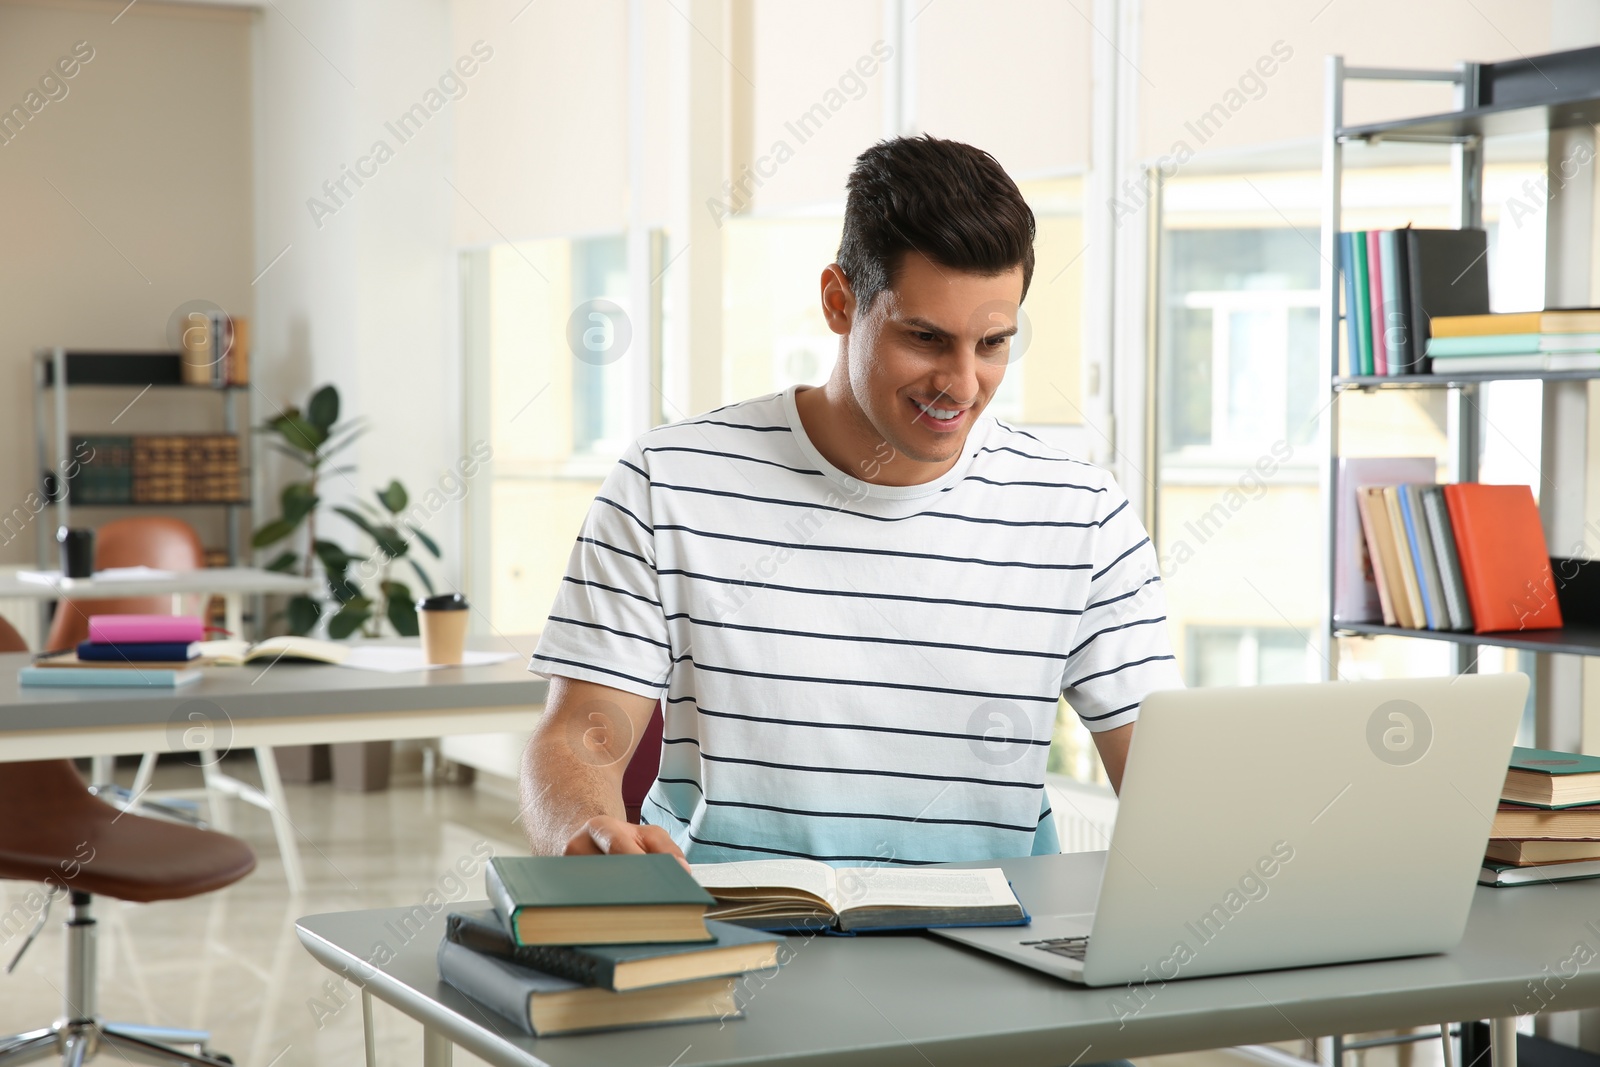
(572, 773)
(1113, 748)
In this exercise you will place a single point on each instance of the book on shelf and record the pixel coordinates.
(805, 894)
(1518, 364)
(1551, 321)
(157, 469)
(541, 1004)
(597, 900)
(1452, 584)
(1381, 555)
(1513, 344)
(1358, 596)
(1421, 545)
(1396, 282)
(1553, 780)
(1504, 561)
(734, 950)
(1409, 588)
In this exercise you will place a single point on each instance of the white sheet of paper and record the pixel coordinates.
(112, 574)
(392, 659)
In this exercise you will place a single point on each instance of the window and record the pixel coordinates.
(1220, 655)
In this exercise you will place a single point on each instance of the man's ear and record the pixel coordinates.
(838, 300)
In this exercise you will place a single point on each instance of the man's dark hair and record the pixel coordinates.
(947, 200)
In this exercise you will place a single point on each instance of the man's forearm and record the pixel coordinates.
(561, 792)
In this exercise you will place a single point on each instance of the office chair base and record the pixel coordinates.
(79, 1035)
(75, 1043)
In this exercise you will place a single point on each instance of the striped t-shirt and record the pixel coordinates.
(851, 672)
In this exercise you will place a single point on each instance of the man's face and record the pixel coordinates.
(929, 353)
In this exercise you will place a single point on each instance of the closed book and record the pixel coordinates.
(1405, 352)
(1358, 240)
(143, 652)
(1572, 361)
(1356, 596)
(1524, 822)
(1447, 274)
(1404, 563)
(1503, 557)
(1451, 583)
(138, 629)
(1501, 875)
(107, 677)
(1553, 320)
(1352, 328)
(1376, 557)
(1380, 344)
(597, 900)
(542, 1005)
(1495, 344)
(622, 967)
(1550, 779)
(1489, 364)
(1532, 853)
(1421, 555)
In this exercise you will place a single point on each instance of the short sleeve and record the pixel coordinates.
(1122, 651)
(607, 624)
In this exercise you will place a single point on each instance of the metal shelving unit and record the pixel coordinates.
(58, 372)
(1517, 96)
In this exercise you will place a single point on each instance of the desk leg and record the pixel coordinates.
(436, 1048)
(233, 614)
(288, 848)
(1503, 1042)
(366, 1029)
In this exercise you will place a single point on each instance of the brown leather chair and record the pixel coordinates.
(642, 769)
(143, 541)
(53, 831)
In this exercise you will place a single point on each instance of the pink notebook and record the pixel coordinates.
(137, 629)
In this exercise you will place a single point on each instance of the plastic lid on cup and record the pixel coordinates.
(443, 602)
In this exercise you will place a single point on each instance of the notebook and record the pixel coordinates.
(108, 677)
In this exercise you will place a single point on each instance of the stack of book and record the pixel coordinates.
(1396, 282)
(1467, 557)
(1548, 825)
(1531, 341)
(144, 651)
(578, 943)
(158, 469)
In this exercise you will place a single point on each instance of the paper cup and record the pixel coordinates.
(443, 621)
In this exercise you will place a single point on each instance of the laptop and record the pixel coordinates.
(1287, 826)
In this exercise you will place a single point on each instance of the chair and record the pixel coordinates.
(641, 772)
(53, 831)
(147, 540)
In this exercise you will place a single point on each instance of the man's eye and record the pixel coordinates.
(925, 337)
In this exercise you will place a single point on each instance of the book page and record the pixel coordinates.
(806, 875)
(921, 887)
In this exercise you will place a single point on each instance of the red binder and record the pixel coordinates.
(1503, 557)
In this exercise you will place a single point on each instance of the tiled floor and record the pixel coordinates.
(229, 961)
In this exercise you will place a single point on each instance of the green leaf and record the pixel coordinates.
(394, 497)
(293, 453)
(297, 500)
(272, 532)
(348, 619)
(303, 615)
(391, 542)
(286, 563)
(344, 438)
(359, 519)
(427, 582)
(427, 542)
(323, 410)
(332, 555)
(299, 433)
(401, 611)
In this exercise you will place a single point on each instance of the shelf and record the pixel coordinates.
(126, 370)
(162, 504)
(1493, 121)
(1574, 640)
(1446, 381)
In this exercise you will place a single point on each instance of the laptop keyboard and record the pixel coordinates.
(1071, 947)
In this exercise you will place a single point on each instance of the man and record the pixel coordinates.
(860, 603)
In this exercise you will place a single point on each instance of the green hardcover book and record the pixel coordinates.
(622, 967)
(1504, 874)
(597, 900)
(1363, 302)
(1494, 344)
(1543, 779)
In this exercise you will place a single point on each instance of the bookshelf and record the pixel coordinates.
(1555, 92)
(59, 372)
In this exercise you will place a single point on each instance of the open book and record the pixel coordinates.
(791, 894)
(224, 653)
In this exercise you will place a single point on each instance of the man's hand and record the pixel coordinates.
(605, 835)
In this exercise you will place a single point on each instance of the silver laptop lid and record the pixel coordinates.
(1281, 826)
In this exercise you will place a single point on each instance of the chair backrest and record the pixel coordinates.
(10, 640)
(642, 768)
(157, 541)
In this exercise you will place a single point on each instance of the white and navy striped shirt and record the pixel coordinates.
(858, 673)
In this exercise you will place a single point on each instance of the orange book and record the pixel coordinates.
(1503, 557)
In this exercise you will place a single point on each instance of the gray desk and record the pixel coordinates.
(263, 707)
(912, 1000)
